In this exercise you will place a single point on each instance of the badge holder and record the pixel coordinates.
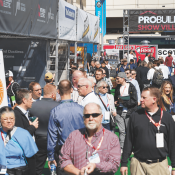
(107, 115)
(159, 139)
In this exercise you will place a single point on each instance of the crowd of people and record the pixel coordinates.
(73, 124)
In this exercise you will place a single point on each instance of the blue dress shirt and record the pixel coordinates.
(64, 118)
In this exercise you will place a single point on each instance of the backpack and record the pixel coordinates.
(158, 77)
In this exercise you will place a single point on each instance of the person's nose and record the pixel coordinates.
(91, 118)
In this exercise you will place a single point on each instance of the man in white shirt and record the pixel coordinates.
(152, 70)
(85, 90)
(165, 69)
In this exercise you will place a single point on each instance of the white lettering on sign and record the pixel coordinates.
(146, 50)
(156, 19)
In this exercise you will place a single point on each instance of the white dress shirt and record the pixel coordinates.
(150, 73)
(26, 113)
(165, 71)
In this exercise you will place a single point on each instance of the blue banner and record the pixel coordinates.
(98, 12)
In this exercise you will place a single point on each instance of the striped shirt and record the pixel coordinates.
(76, 151)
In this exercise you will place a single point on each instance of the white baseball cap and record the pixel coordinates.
(8, 73)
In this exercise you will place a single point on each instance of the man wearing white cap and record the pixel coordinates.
(12, 87)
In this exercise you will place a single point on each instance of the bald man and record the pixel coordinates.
(75, 78)
(65, 118)
(41, 109)
(85, 90)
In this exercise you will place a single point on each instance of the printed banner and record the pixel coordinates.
(164, 53)
(152, 20)
(87, 27)
(98, 12)
(67, 21)
(3, 92)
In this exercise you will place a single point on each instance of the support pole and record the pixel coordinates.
(56, 63)
(75, 59)
(68, 61)
(102, 29)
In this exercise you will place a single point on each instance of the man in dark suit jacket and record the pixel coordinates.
(24, 101)
(41, 109)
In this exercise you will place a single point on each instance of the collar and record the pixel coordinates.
(102, 94)
(157, 113)
(23, 110)
(67, 100)
(3, 130)
(74, 88)
(97, 134)
(37, 99)
(88, 94)
(47, 99)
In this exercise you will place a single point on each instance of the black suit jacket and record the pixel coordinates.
(21, 121)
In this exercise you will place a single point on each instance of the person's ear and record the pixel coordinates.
(71, 90)
(24, 100)
(58, 91)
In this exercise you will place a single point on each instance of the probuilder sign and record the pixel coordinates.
(152, 20)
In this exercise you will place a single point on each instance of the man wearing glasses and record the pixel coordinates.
(36, 91)
(85, 90)
(93, 149)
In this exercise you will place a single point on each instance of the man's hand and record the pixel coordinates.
(82, 171)
(90, 168)
(124, 171)
(35, 123)
(50, 162)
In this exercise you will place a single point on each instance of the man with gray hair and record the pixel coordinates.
(93, 81)
(91, 150)
(85, 90)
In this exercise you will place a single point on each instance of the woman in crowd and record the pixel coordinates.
(18, 144)
(107, 101)
(150, 65)
(166, 102)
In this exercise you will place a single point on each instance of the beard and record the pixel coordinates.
(92, 125)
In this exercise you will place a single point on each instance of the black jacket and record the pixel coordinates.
(130, 104)
(143, 75)
(106, 70)
(41, 109)
(21, 121)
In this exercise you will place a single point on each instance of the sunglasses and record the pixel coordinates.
(104, 87)
(94, 115)
(127, 73)
(79, 86)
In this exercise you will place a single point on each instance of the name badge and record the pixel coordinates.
(107, 115)
(159, 140)
(94, 159)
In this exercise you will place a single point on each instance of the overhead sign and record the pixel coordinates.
(98, 12)
(87, 27)
(152, 20)
(67, 21)
(29, 17)
(3, 92)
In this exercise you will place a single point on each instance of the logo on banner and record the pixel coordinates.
(20, 6)
(6, 3)
(96, 29)
(42, 12)
(86, 27)
(69, 13)
(1, 92)
(146, 50)
(98, 4)
(50, 15)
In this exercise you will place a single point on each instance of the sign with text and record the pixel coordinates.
(152, 20)
(67, 21)
(98, 12)
(3, 92)
(164, 53)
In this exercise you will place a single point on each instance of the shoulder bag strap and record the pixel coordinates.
(103, 103)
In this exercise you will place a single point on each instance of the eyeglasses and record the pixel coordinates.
(104, 87)
(79, 86)
(104, 73)
(37, 90)
(94, 115)
(127, 73)
(133, 74)
(6, 119)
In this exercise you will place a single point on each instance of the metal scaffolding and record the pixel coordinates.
(126, 32)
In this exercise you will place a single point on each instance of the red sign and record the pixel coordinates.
(146, 50)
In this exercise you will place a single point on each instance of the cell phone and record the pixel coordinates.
(32, 119)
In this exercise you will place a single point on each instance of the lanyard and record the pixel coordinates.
(153, 122)
(2, 135)
(123, 91)
(99, 145)
(103, 101)
(8, 85)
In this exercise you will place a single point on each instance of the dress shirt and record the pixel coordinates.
(141, 137)
(64, 118)
(136, 85)
(90, 98)
(104, 97)
(37, 99)
(76, 151)
(165, 71)
(26, 113)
